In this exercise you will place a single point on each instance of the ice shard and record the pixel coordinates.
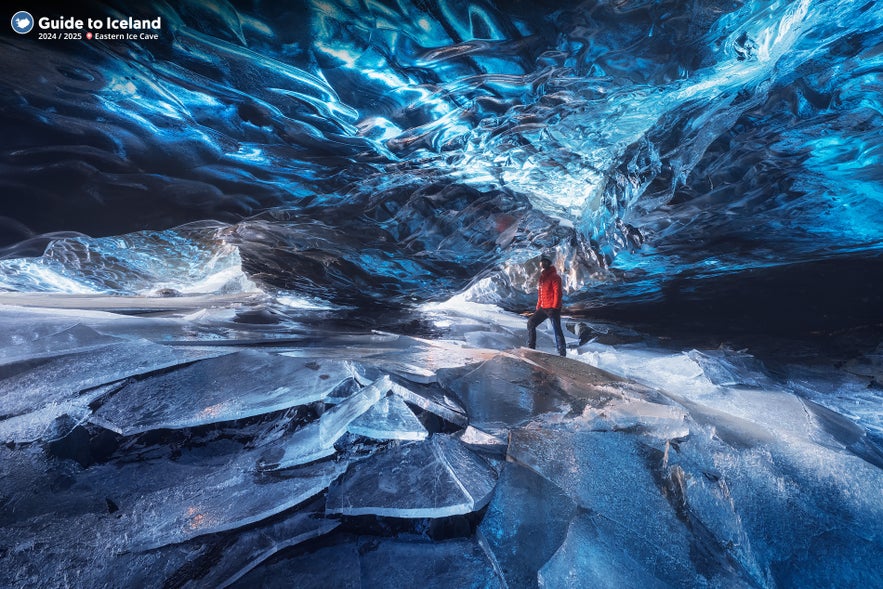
(433, 399)
(229, 387)
(389, 419)
(316, 440)
(434, 478)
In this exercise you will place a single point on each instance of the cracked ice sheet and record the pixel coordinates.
(255, 545)
(524, 524)
(160, 501)
(811, 512)
(616, 476)
(53, 421)
(32, 384)
(235, 386)
(76, 338)
(512, 389)
(504, 392)
(438, 477)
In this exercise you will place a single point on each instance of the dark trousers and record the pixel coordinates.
(538, 317)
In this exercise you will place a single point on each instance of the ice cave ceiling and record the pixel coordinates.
(384, 151)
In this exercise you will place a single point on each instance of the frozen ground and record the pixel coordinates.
(212, 442)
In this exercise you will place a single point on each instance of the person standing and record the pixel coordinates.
(549, 298)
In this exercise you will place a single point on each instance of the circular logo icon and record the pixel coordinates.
(22, 22)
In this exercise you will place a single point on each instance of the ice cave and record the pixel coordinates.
(266, 268)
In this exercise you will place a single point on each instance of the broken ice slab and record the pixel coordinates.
(619, 477)
(725, 367)
(507, 391)
(219, 498)
(389, 419)
(437, 477)
(431, 398)
(525, 524)
(77, 338)
(235, 386)
(316, 440)
(31, 384)
(54, 421)
(665, 421)
(486, 440)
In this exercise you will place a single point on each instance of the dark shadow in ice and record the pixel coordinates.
(335, 566)
(230, 387)
(437, 477)
(400, 564)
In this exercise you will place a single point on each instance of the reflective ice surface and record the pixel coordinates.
(512, 467)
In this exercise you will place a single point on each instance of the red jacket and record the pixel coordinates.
(549, 296)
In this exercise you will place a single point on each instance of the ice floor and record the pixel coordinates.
(214, 442)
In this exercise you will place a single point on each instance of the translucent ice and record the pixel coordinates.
(202, 500)
(77, 338)
(437, 477)
(389, 419)
(31, 384)
(431, 398)
(230, 387)
(316, 440)
(615, 476)
(506, 391)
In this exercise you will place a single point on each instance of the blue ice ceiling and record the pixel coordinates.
(399, 151)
